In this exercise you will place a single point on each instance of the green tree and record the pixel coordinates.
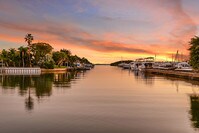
(4, 57)
(194, 52)
(74, 58)
(29, 38)
(39, 51)
(67, 52)
(13, 56)
(84, 60)
(23, 55)
(61, 57)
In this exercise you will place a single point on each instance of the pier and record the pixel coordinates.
(182, 74)
(20, 70)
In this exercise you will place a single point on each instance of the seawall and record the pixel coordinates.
(188, 75)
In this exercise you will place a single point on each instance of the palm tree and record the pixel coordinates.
(29, 38)
(4, 57)
(12, 55)
(23, 52)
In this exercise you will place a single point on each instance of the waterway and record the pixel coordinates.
(103, 100)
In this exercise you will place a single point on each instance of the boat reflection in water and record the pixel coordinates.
(143, 77)
(30, 86)
(148, 79)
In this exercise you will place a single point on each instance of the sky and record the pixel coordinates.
(103, 31)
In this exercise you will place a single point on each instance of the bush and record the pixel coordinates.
(49, 65)
(194, 52)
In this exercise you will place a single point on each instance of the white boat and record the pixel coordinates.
(135, 66)
(145, 65)
(166, 66)
(121, 64)
(126, 66)
(183, 66)
(156, 65)
(88, 66)
(131, 65)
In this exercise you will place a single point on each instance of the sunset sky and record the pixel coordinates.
(102, 30)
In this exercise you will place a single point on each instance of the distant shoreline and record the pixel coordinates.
(102, 64)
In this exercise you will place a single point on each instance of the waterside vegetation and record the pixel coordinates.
(119, 62)
(194, 52)
(39, 54)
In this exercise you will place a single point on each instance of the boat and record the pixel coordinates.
(145, 65)
(121, 64)
(126, 66)
(131, 65)
(183, 66)
(166, 66)
(135, 66)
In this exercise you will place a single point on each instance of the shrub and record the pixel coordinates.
(49, 65)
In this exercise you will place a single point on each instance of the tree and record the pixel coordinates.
(194, 52)
(74, 59)
(13, 56)
(23, 54)
(67, 52)
(29, 38)
(61, 57)
(4, 57)
(84, 60)
(39, 51)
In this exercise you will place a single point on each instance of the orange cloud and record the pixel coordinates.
(169, 29)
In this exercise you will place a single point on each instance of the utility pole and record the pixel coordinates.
(172, 57)
(176, 57)
(182, 57)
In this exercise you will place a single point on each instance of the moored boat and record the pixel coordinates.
(183, 66)
(166, 66)
(145, 65)
(126, 66)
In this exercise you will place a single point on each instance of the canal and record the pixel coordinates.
(103, 100)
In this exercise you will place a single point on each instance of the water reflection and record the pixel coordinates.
(194, 96)
(29, 102)
(194, 110)
(37, 86)
(148, 79)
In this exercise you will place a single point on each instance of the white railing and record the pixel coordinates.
(20, 70)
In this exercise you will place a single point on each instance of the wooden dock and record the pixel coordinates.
(188, 75)
(20, 70)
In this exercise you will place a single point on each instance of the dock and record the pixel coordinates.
(20, 71)
(189, 75)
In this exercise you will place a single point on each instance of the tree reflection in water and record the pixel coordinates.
(39, 86)
(29, 102)
(194, 110)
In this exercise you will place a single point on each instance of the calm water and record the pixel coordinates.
(103, 100)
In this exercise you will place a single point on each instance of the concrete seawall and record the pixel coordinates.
(188, 75)
(54, 70)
